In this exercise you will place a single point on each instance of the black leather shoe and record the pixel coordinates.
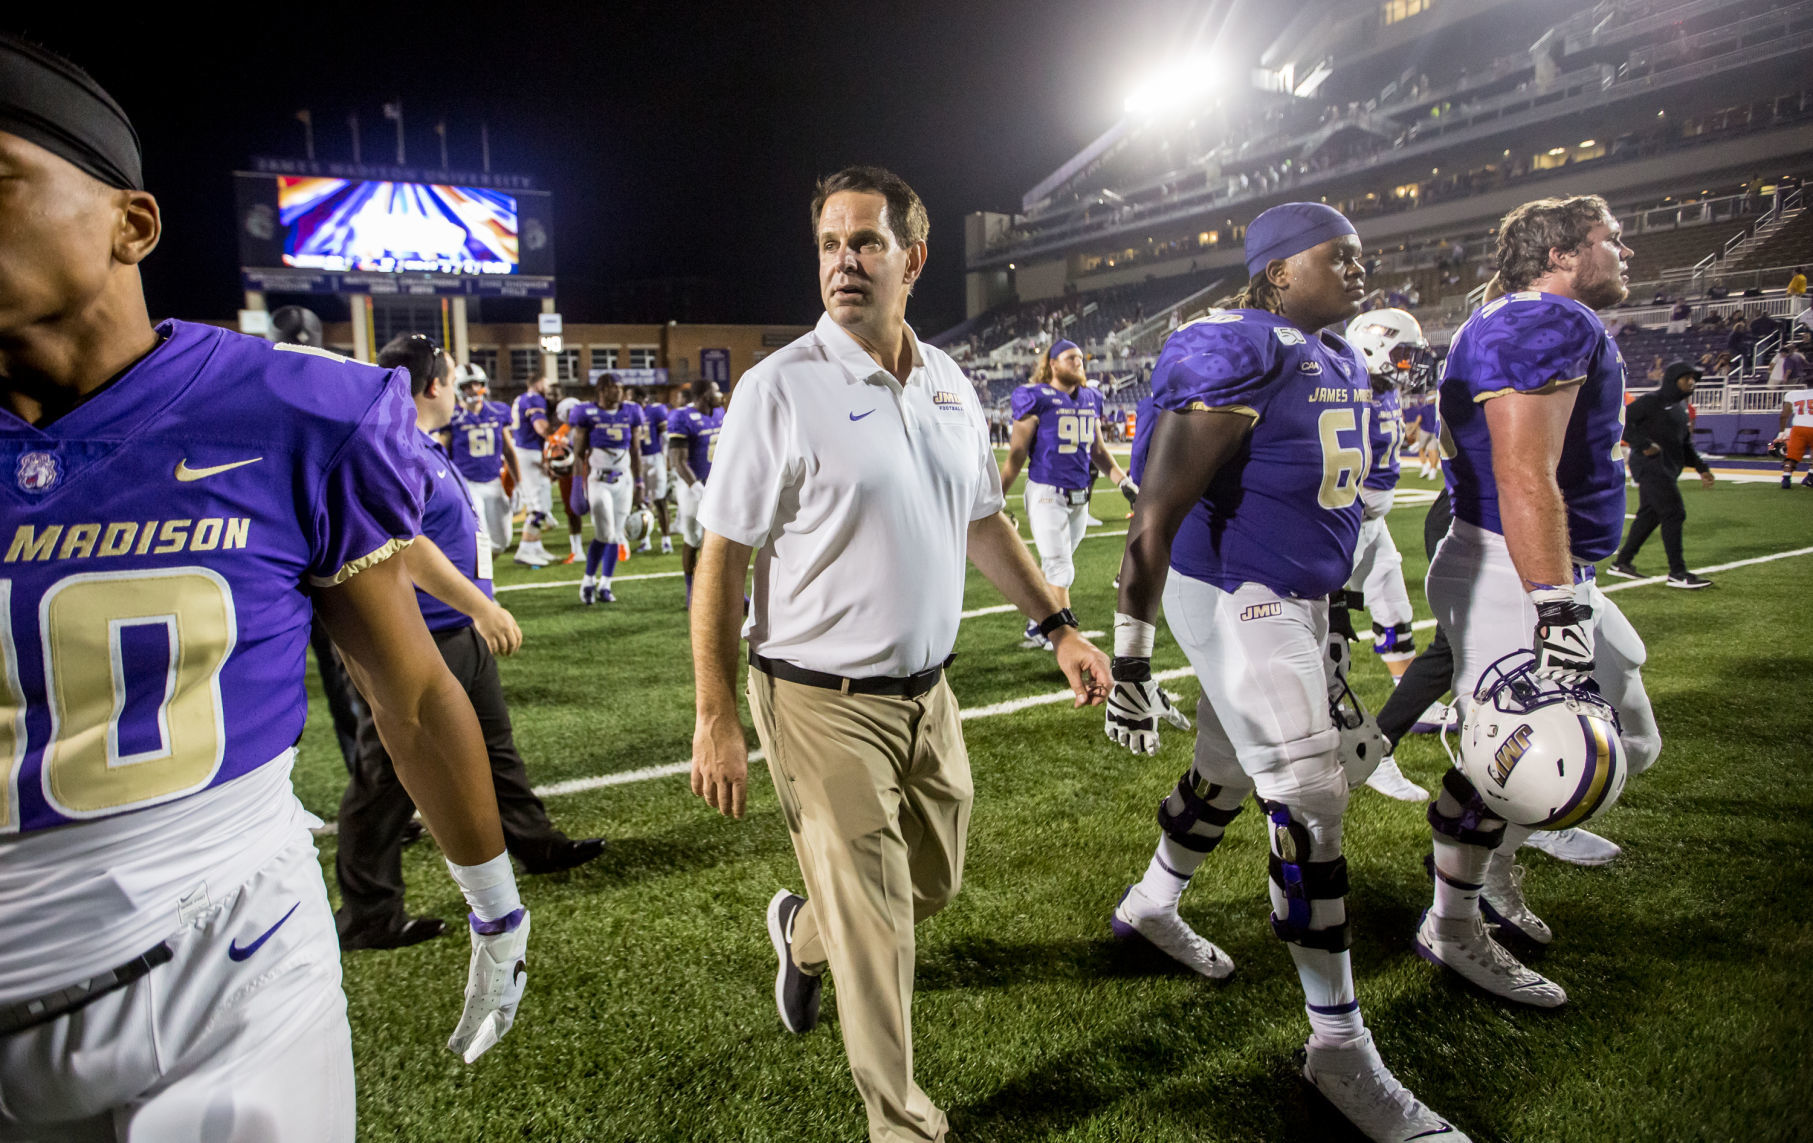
(388, 935)
(796, 993)
(561, 855)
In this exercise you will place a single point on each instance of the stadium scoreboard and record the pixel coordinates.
(321, 228)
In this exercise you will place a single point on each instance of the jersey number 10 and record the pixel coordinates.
(120, 738)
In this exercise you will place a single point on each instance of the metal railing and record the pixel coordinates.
(1149, 336)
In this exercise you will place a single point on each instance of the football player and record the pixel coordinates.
(180, 498)
(529, 430)
(654, 465)
(1795, 440)
(1532, 409)
(608, 481)
(1058, 422)
(692, 436)
(1397, 356)
(1244, 541)
(479, 432)
(1427, 438)
(557, 452)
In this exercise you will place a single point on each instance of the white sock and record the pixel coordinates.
(1457, 893)
(1328, 996)
(1515, 835)
(573, 543)
(1169, 873)
(604, 581)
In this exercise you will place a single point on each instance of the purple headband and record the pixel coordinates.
(1291, 228)
(1061, 345)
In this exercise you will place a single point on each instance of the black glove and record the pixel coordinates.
(1136, 704)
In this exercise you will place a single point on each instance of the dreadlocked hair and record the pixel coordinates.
(1259, 293)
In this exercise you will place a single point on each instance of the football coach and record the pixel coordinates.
(855, 466)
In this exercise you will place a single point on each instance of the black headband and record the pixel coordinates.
(47, 100)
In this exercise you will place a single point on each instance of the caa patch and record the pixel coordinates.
(38, 472)
(1309, 365)
(1288, 336)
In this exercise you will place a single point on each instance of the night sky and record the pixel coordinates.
(679, 141)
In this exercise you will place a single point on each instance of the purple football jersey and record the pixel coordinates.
(448, 520)
(1284, 510)
(478, 441)
(610, 431)
(699, 434)
(524, 412)
(161, 542)
(1426, 413)
(1060, 445)
(1145, 416)
(1387, 439)
(654, 415)
(1535, 343)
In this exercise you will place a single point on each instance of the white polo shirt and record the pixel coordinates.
(857, 493)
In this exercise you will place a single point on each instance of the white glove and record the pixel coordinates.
(494, 984)
(1136, 704)
(1564, 636)
(1129, 489)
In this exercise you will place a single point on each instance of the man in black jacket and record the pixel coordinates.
(1661, 445)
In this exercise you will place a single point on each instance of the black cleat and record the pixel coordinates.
(796, 993)
(1622, 570)
(561, 855)
(392, 933)
(1689, 581)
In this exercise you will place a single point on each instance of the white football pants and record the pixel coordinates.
(609, 501)
(654, 477)
(1057, 528)
(493, 508)
(1478, 598)
(241, 1037)
(1378, 574)
(689, 496)
(1263, 663)
(534, 492)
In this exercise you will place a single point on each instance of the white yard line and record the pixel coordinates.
(1012, 706)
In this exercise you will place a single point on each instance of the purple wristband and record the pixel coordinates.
(504, 924)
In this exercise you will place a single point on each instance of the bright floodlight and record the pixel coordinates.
(1177, 86)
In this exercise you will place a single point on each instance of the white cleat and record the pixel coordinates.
(1575, 846)
(1501, 902)
(1463, 945)
(1165, 931)
(1362, 1088)
(1390, 781)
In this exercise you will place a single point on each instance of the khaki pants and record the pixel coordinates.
(876, 792)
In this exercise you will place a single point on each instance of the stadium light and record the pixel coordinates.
(1176, 86)
(1586, 142)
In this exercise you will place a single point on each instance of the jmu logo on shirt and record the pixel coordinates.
(37, 472)
(1262, 611)
(945, 399)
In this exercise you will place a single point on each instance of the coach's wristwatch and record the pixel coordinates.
(1063, 617)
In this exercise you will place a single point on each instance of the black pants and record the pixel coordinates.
(1659, 503)
(343, 702)
(375, 808)
(1428, 678)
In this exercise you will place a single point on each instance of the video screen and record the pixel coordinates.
(346, 225)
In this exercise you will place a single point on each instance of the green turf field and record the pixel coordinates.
(649, 1014)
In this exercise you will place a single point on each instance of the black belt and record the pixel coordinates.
(44, 1009)
(903, 686)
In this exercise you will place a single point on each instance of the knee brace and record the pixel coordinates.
(1395, 641)
(1189, 816)
(1301, 881)
(1473, 823)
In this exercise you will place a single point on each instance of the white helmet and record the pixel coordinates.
(1394, 348)
(1541, 753)
(472, 371)
(640, 523)
(1363, 745)
(565, 406)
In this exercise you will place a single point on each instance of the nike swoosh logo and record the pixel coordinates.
(236, 953)
(185, 474)
(439, 473)
(860, 416)
(1444, 1129)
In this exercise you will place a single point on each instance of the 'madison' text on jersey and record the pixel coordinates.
(610, 434)
(478, 441)
(1066, 432)
(1282, 511)
(161, 540)
(1537, 343)
(699, 435)
(524, 412)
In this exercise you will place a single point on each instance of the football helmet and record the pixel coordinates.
(1541, 753)
(473, 382)
(1778, 448)
(558, 448)
(1363, 745)
(1394, 348)
(640, 523)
